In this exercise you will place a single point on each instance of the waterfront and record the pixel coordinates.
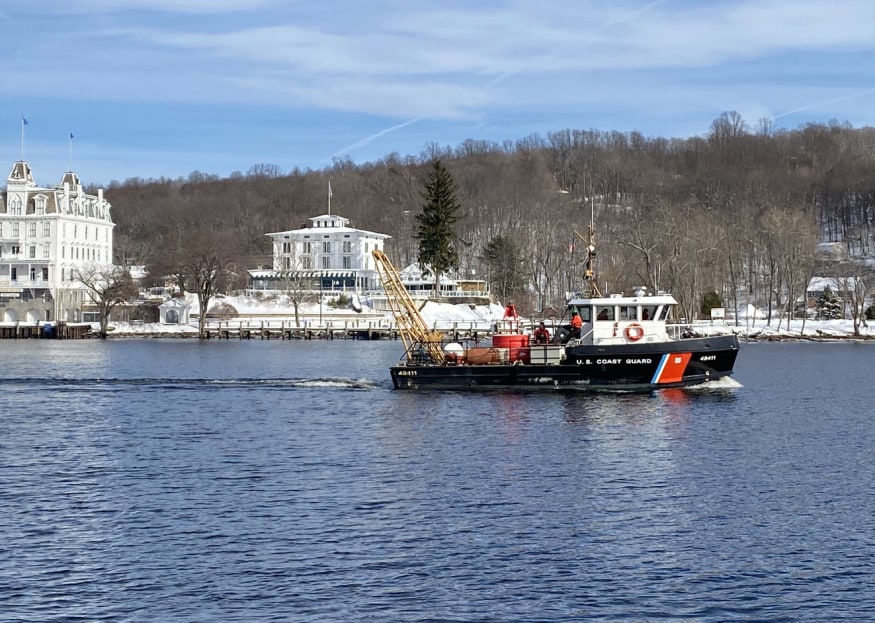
(145, 480)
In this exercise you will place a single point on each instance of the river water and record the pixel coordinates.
(171, 480)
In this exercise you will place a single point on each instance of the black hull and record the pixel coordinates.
(629, 367)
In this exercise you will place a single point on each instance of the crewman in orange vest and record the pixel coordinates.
(576, 324)
(541, 334)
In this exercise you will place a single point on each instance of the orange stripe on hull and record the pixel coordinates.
(673, 369)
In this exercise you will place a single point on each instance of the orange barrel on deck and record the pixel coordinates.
(518, 345)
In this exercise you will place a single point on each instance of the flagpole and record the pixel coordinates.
(71, 152)
(329, 197)
(23, 123)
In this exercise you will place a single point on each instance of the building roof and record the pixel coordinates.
(337, 229)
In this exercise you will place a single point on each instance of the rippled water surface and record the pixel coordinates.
(167, 480)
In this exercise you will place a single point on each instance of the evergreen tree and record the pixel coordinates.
(710, 301)
(829, 307)
(437, 234)
(503, 258)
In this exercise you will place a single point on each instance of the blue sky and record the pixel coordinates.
(153, 88)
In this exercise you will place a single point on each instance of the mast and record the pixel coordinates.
(589, 265)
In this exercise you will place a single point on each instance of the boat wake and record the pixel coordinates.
(124, 384)
(727, 382)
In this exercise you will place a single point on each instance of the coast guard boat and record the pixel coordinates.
(624, 343)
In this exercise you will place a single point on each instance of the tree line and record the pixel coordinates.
(737, 212)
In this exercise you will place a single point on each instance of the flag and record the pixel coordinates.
(23, 120)
(329, 189)
(71, 136)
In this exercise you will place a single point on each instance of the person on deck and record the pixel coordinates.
(541, 334)
(576, 324)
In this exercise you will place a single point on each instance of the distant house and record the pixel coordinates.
(832, 251)
(818, 285)
(848, 291)
(326, 255)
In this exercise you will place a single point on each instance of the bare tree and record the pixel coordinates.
(297, 287)
(852, 289)
(107, 287)
(206, 263)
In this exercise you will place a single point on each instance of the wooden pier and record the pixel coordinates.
(330, 330)
(289, 330)
(40, 331)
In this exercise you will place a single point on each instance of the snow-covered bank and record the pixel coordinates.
(447, 316)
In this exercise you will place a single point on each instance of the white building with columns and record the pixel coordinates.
(328, 254)
(46, 235)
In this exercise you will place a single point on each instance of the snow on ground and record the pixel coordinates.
(480, 317)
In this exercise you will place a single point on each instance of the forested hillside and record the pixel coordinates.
(739, 211)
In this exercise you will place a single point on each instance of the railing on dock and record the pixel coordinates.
(333, 329)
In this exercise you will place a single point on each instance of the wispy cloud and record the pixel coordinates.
(381, 68)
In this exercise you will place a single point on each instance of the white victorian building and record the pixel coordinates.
(46, 235)
(326, 255)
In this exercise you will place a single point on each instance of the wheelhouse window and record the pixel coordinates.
(628, 312)
(648, 312)
(604, 312)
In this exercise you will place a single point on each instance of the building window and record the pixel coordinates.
(15, 230)
(47, 229)
(287, 247)
(326, 247)
(326, 262)
(347, 246)
(287, 263)
(307, 262)
(347, 261)
(31, 229)
(45, 273)
(13, 274)
(46, 250)
(16, 249)
(33, 273)
(308, 249)
(15, 206)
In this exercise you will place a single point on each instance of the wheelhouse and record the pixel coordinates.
(619, 319)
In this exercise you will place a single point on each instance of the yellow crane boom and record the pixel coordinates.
(411, 325)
